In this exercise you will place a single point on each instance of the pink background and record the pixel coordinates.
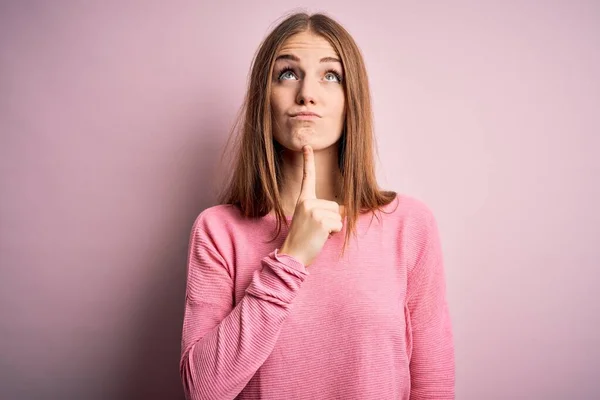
(112, 118)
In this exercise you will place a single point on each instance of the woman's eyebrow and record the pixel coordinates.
(294, 58)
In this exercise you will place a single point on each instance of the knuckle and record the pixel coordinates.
(305, 205)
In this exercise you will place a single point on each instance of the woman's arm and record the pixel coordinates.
(432, 356)
(223, 346)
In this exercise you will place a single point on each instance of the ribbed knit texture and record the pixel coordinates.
(372, 325)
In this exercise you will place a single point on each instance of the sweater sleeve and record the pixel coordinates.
(223, 346)
(432, 353)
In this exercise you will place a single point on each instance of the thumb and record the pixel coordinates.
(308, 189)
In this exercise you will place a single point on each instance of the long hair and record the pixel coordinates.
(256, 171)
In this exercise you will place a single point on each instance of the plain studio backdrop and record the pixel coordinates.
(112, 118)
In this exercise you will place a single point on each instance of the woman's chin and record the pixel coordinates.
(304, 137)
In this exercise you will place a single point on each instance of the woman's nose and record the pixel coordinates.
(307, 92)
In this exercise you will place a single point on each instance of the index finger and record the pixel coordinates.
(308, 189)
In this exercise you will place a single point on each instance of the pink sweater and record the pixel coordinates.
(373, 325)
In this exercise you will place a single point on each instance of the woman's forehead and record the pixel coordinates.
(306, 43)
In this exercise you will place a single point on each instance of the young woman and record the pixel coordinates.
(336, 304)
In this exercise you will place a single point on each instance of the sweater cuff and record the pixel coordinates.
(290, 261)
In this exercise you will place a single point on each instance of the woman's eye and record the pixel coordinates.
(331, 74)
(285, 74)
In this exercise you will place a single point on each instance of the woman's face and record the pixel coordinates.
(307, 77)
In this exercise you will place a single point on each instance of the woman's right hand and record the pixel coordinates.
(313, 220)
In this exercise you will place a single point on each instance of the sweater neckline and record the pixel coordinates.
(273, 217)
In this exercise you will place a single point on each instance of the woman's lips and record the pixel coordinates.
(305, 116)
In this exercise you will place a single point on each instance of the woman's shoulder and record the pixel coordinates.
(219, 212)
(415, 230)
(407, 207)
(218, 218)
